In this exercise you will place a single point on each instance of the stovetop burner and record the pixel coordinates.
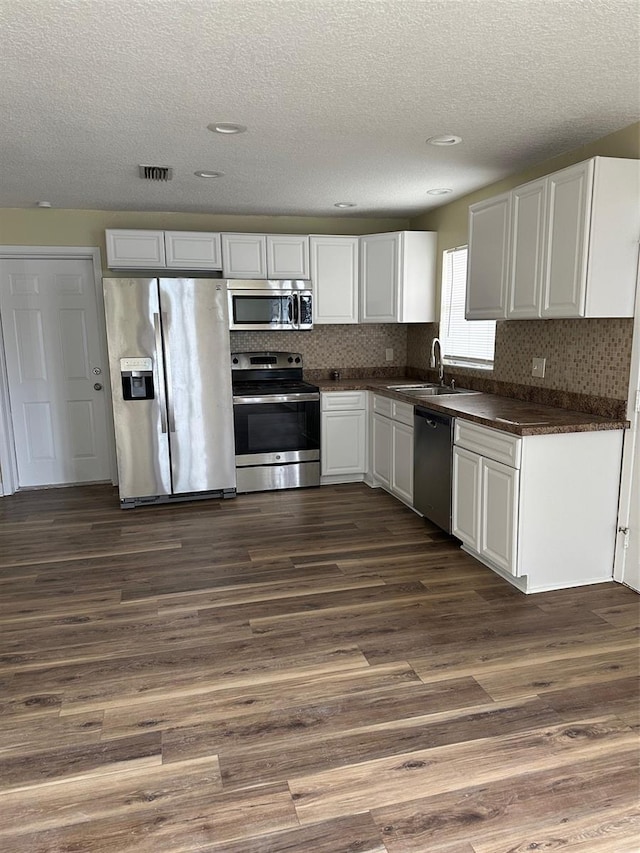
(268, 373)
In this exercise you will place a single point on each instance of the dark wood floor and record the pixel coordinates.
(317, 671)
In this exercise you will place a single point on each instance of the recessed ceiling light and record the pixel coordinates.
(445, 139)
(440, 191)
(44, 204)
(226, 127)
(343, 204)
(205, 174)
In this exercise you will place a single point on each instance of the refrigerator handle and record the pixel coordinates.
(167, 368)
(159, 376)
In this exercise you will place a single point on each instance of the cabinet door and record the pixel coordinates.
(466, 497)
(135, 249)
(334, 272)
(244, 256)
(527, 249)
(569, 208)
(402, 461)
(488, 271)
(343, 442)
(288, 256)
(193, 250)
(379, 277)
(499, 514)
(381, 450)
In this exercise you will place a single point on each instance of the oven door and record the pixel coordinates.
(262, 309)
(277, 430)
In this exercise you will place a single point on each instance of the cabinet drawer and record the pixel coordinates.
(402, 412)
(382, 405)
(491, 443)
(343, 401)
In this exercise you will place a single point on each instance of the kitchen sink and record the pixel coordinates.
(429, 390)
(409, 387)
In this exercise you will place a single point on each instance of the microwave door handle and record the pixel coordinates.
(296, 310)
(290, 311)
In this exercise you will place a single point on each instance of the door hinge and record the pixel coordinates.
(625, 533)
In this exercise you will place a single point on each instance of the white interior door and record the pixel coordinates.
(52, 352)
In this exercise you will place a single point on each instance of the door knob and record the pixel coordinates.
(98, 386)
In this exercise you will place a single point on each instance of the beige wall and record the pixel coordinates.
(587, 357)
(50, 227)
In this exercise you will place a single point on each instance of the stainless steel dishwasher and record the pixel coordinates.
(432, 457)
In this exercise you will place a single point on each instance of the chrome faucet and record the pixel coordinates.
(436, 359)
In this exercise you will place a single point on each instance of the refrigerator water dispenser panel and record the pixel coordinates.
(137, 378)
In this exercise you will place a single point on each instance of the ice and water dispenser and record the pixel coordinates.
(137, 378)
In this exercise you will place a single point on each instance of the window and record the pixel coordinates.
(464, 342)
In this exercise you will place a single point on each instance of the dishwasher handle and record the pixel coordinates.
(433, 419)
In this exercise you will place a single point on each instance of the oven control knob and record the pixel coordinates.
(289, 359)
(235, 360)
(298, 360)
(278, 456)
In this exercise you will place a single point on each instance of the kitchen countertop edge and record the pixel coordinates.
(561, 420)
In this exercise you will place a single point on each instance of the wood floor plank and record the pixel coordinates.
(386, 781)
(270, 697)
(353, 834)
(319, 752)
(553, 675)
(208, 818)
(495, 813)
(293, 727)
(77, 801)
(28, 769)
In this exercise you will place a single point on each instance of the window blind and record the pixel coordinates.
(465, 341)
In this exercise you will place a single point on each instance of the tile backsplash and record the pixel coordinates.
(590, 357)
(583, 356)
(335, 347)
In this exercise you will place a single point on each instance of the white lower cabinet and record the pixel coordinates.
(381, 454)
(540, 510)
(343, 451)
(392, 447)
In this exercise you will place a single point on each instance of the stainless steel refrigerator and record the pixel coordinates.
(169, 359)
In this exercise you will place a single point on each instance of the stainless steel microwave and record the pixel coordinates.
(269, 304)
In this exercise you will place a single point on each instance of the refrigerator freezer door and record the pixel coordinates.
(198, 368)
(132, 311)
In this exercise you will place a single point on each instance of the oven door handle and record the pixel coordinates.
(277, 398)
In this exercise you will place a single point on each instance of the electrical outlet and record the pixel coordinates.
(389, 353)
(538, 366)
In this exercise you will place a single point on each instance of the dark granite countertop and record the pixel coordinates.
(504, 413)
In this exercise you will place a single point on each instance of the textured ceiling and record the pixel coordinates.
(338, 97)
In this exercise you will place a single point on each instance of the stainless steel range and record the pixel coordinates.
(276, 422)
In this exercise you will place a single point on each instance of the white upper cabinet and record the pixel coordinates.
(334, 272)
(593, 228)
(143, 249)
(571, 240)
(397, 277)
(135, 249)
(528, 221)
(244, 256)
(488, 265)
(265, 256)
(193, 250)
(288, 256)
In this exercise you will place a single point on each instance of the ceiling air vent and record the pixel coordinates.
(155, 173)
